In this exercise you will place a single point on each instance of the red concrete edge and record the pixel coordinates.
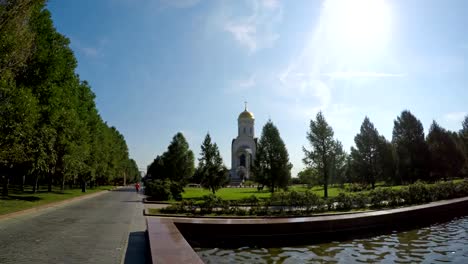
(167, 244)
(53, 204)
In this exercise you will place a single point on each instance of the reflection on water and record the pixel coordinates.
(439, 243)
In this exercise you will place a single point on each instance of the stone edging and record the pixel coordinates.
(146, 201)
(53, 204)
(168, 236)
(147, 213)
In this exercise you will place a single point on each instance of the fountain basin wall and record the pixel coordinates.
(272, 232)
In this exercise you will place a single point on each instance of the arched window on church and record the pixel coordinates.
(244, 130)
(250, 131)
(242, 160)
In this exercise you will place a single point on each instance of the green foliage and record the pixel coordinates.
(372, 159)
(158, 189)
(176, 165)
(306, 203)
(50, 129)
(271, 165)
(325, 150)
(411, 149)
(211, 170)
(447, 158)
(356, 187)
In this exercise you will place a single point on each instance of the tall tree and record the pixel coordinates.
(339, 165)
(271, 165)
(156, 169)
(179, 164)
(211, 169)
(463, 139)
(366, 154)
(386, 160)
(411, 149)
(323, 152)
(446, 158)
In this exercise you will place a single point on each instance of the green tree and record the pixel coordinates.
(463, 143)
(323, 153)
(156, 169)
(310, 177)
(365, 156)
(446, 158)
(338, 168)
(271, 165)
(411, 149)
(210, 168)
(386, 159)
(179, 164)
(50, 128)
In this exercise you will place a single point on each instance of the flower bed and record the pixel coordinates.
(306, 203)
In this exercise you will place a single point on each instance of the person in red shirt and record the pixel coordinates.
(137, 187)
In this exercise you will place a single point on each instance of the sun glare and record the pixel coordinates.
(358, 23)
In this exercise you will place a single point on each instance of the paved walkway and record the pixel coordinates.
(109, 228)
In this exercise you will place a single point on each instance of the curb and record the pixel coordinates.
(53, 204)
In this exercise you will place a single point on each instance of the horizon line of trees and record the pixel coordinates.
(50, 129)
(410, 156)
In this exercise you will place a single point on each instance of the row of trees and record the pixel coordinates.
(409, 157)
(172, 170)
(50, 129)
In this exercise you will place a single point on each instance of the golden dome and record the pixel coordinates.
(247, 115)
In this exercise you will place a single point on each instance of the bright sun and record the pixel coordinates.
(358, 23)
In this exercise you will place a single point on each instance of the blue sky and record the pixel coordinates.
(159, 67)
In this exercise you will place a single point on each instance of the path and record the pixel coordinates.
(94, 230)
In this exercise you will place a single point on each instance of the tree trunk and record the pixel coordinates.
(49, 184)
(5, 185)
(35, 185)
(63, 183)
(83, 186)
(373, 185)
(23, 180)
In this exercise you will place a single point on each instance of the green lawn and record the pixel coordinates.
(17, 201)
(239, 193)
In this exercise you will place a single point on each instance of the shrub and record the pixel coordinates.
(298, 203)
(376, 197)
(419, 193)
(360, 200)
(313, 203)
(344, 201)
(210, 202)
(294, 200)
(176, 190)
(158, 189)
(356, 187)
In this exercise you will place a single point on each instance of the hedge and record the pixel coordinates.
(306, 203)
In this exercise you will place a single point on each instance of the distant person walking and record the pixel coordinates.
(137, 187)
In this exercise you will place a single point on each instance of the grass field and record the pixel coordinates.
(239, 193)
(17, 201)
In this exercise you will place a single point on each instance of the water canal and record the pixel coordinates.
(439, 243)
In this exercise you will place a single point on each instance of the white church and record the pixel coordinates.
(243, 148)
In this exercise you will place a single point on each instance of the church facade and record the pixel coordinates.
(243, 148)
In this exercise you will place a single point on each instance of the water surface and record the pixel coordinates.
(438, 243)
